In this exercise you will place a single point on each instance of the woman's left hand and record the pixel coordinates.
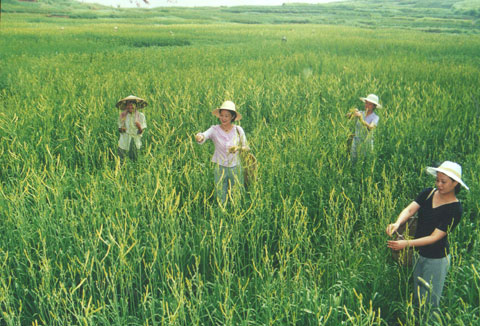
(391, 228)
(397, 245)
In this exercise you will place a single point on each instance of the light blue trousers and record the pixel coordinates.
(225, 179)
(361, 147)
(433, 271)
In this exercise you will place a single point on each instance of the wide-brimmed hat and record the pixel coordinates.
(451, 169)
(372, 98)
(140, 102)
(227, 105)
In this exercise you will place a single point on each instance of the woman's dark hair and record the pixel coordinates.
(458, 187)
(233, 113)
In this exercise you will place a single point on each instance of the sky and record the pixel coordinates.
(197, 3)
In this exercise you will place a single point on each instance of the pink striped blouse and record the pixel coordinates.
(223, 141)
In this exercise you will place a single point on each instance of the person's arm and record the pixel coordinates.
(370, 126)
(139, 127)
(244, 144)
(436, 235)
(201, 137)
(358, 114)
(121, 123)
(351, 113)
(407, 212)
(140, 123)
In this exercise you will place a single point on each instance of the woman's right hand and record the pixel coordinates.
(391, 228)
(199, 137)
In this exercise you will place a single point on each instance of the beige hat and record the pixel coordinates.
(372, 98)
(140, 102)
(227, 105)
(452, 169)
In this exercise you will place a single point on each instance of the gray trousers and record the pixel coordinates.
(225, 179)
(432, 272)
(132, 153)
(361, 148)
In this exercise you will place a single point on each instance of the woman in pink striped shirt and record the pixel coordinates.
(229, 139)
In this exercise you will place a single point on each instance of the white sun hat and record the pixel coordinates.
(372, 98)
(451, 169)
(227, 105)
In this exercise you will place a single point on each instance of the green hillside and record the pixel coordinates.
(431, 16)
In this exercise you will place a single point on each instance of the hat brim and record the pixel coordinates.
(216, 113)
(140, 102)
(364, 99)
(433, 171)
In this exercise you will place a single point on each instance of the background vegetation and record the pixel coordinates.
(88, 240)
(427, 15)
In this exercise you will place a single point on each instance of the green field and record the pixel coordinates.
(88, 240)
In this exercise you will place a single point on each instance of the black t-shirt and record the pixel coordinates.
(444, 217)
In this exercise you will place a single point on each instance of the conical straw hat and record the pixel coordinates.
(140, 102)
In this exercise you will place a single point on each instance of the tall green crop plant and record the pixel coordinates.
(89, 239)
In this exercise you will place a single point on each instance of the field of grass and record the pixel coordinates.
(87, 240)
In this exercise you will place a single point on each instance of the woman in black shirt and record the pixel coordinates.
(439, 212)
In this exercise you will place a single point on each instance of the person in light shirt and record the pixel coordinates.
(229, 140)
(131, 125)
(367, 121)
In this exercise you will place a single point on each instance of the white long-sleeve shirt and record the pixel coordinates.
(131, 130)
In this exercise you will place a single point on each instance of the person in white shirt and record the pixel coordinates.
(131, 124)
(367, 121)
